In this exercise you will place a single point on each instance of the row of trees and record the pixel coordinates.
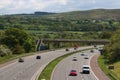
(112, 51)
(57, 24)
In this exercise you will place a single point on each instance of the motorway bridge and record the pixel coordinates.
(59, 41)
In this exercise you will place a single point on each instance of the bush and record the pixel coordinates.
(18, 49)
(4, 50)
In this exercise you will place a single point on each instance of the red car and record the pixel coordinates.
(73, 73)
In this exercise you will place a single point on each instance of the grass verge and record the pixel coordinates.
(110, 73)
(46, 73)
(12, 57)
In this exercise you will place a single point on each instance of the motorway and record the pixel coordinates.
(62, 70)
(30, 66)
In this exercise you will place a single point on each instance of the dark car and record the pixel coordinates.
(82, 54)
(75, 48)
(101, 51)
(86, 57)
(95, 46)
(38, 57)
(74, 59)
(92, 51)
(67, 49)
(73, 73)
(21, 60)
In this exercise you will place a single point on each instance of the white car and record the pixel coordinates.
(86, 69)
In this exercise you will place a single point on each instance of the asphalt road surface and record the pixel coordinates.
(62, 70)
(28, 69)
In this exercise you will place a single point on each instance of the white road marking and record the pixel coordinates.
(36, 75)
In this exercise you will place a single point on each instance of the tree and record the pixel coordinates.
(105, 35)
(14, 37)
(29, 45)
(1, 26)
(112, 51)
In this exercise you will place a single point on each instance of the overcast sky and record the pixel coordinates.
(30, 6)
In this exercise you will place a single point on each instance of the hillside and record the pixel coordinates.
(91, 20)
(89, 14)
(37, 13)
(43, 13)
(78, 15)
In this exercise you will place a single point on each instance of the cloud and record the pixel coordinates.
(35, 4)
(5, 3)
(63, 2)
(17, 5)
(28, 6)
(93, 1)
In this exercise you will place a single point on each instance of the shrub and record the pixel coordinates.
(18, 49)
(4, 50)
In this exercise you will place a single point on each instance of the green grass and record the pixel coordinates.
(12, 57)
(48, 70)
(6, 58)
(112, 74)
(102, 65)
(46, 73)
(116, 71)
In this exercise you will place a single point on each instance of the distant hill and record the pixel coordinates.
(33, 14)
(43, 13)
(89, 14)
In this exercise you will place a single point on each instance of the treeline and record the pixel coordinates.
(112, 50)
(43, 23)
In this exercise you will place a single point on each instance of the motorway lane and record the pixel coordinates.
(26, 70)
(62, 70)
